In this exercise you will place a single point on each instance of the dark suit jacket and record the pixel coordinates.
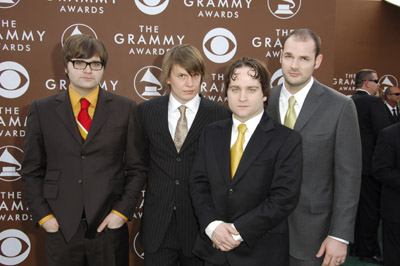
(166, 188)
(64, 175)
(331, 169)
(393, 119)
(372, 118)
(386, 165)
(263, 192)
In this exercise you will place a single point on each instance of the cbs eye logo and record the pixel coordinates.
(12, 245)
(277, 78)
(152, 7)
(219, 45)
(8, 3)
(14, 80)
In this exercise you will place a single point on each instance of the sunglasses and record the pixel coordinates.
(396, 93)
(374, 80)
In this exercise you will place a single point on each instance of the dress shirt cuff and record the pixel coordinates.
(211, 227)
(120, 215)
(236, 237)
(339, 239)
(45, 219)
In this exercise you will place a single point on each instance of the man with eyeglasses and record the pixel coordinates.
(84, 163)
(392, 99)
(372, 118)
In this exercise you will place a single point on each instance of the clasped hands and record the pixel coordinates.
(222, 237)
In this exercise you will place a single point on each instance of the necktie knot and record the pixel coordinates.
(292, 101)
(242, 128)
(85, 104)
(182, 109)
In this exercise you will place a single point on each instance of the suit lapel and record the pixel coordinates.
(273, 108)
(162, 120)
(202, 118)
(101, 115)
(64, 111)
(310, 105)
(257, 143)
(222, 143)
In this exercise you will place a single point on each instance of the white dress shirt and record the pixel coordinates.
(173, 113)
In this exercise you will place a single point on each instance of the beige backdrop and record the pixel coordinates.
(355, 34)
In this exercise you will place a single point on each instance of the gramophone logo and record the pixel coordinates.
(10, 157)
(146, 85)
(8, 3)
(387, 81)
(284, 9)
(76, 29)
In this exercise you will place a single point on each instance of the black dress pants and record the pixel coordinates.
(108, 248)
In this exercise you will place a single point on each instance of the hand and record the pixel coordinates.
(51, 225)
(335, 252)
(112, 221)
(222, 237)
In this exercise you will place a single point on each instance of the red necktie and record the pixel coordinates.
(84, 119)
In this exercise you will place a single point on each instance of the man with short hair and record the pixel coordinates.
(372, 118)
(386, 170)
(84, 163)
(392, 100)
(246, 177)
(172, 125)
(322, 224)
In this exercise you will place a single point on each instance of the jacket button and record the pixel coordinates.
(80, 181)
(83, 157)
(176, 182)
(178, 159)
(230, 191)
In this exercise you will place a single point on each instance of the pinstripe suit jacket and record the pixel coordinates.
(167, 189)
(331, 169)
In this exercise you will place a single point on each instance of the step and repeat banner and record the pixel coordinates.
(137, 34)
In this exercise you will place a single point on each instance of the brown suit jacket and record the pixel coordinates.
(66, 176)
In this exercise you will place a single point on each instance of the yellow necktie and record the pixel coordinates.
(290, 117)
(237, 149)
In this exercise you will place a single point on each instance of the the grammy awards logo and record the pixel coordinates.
(146, 85)
(76, 29)
(137, 247)
(9, 164)
(284, 9)
(387, 81)
(277, 78)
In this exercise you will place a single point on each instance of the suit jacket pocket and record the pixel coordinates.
(50, 186)
(320, 206)
(262, 162)
(118, 186)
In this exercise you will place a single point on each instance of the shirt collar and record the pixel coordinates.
(363, 91)
(75, 97)
(251, 124)
(192, 105)
(300, 96)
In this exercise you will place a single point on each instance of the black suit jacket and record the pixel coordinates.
(263, 192)
(372, 118)
(386, 165)
(64, 175)
(392, 118)
(166, 188)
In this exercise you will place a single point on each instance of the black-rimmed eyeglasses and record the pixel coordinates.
(396, 93)
(81, 65)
